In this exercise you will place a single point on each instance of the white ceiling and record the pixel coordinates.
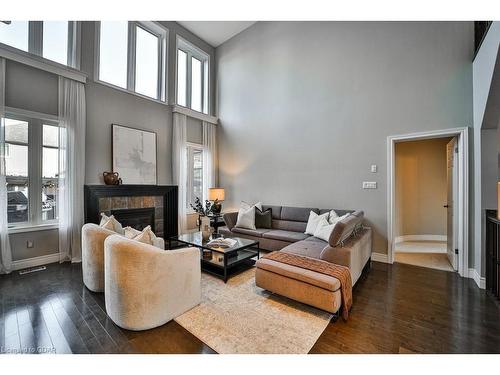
(216, 32)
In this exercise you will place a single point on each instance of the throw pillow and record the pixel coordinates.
(131, 232)
(146, 236)
(324, 229)
(246, 206)
(246, 218)
(109, 222)
(263, 219)
(337, 219)
(332, 215)
(313, 221)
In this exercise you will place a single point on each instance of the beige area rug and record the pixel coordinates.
(239, 317)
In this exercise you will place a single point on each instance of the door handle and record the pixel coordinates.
(446, 206)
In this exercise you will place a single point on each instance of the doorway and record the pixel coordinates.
(434, 230)
(424, 222)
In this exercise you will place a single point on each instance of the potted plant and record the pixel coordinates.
(203, 218)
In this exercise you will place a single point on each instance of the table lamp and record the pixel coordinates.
(216, 194)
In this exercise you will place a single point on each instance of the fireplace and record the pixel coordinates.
(134, 205)
(137, 218)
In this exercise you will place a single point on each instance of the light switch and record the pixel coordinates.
(369, 185)
(29, 244)
(374, 168)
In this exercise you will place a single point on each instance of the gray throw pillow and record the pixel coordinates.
(263, 219)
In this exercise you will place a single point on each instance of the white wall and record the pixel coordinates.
(306, 107)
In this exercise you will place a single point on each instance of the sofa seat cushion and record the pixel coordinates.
(250, 232)
(310, 277)
(311, 249)
(285, 235)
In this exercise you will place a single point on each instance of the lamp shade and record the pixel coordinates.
(216, 193)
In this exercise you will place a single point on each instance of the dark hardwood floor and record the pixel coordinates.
(397, 309)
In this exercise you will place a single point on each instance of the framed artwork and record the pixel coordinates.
(134, 155)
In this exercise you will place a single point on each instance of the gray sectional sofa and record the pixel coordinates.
(350, 243)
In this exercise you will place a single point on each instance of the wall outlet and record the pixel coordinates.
(29, 244)
(374, 168)
(369, 185)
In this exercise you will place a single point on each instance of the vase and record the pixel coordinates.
(206, 230)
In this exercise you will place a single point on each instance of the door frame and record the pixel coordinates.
(462, 135)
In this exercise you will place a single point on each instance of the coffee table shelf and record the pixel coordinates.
(222, 261)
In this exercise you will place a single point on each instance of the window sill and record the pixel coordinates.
(33, 228)
(26, 58)
(126, 91)
(194, 114)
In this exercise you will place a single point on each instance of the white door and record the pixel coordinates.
(452, 202)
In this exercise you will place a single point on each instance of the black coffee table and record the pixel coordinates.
(219, 261)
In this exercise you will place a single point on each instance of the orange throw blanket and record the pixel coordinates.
(341, 273)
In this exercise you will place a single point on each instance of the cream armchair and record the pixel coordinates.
(146, 287)
(93, 237)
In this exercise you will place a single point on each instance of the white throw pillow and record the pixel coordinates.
(332, 216)
(313, 221)
(246, 206)
(131, 232)
(246, 218)
(324, 229)
(146, 236)
(338, 218)
(109, 222)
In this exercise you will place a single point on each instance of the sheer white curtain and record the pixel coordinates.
(5, 253)
(71, 168)
(209, 157)
(179, 166)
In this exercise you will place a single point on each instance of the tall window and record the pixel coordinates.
(50, 171)
(16, 170)
(132, 57)
(52, 40)
(27, 141)
(192, 77)
(194, 173)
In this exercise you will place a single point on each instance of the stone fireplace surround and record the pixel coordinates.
(106, 198)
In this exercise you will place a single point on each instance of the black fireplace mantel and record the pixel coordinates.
(169, 194)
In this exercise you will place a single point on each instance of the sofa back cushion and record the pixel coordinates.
(344, 228)
(294, 226)
(296, 213)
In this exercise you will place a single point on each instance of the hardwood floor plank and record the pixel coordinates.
(57, 337)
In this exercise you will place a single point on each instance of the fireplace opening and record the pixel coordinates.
(137, 218)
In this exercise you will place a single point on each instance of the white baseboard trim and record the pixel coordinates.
(420, 237)
(480, 281)
(34, 262)
(378, 257)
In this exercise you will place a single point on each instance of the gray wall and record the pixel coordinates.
(36, 90)
(305, 107)
(30, 88)
(106, 106)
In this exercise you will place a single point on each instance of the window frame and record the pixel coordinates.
(190, 147)
(151, 27)
(192, 51)
(35, 122)
(35, 43)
